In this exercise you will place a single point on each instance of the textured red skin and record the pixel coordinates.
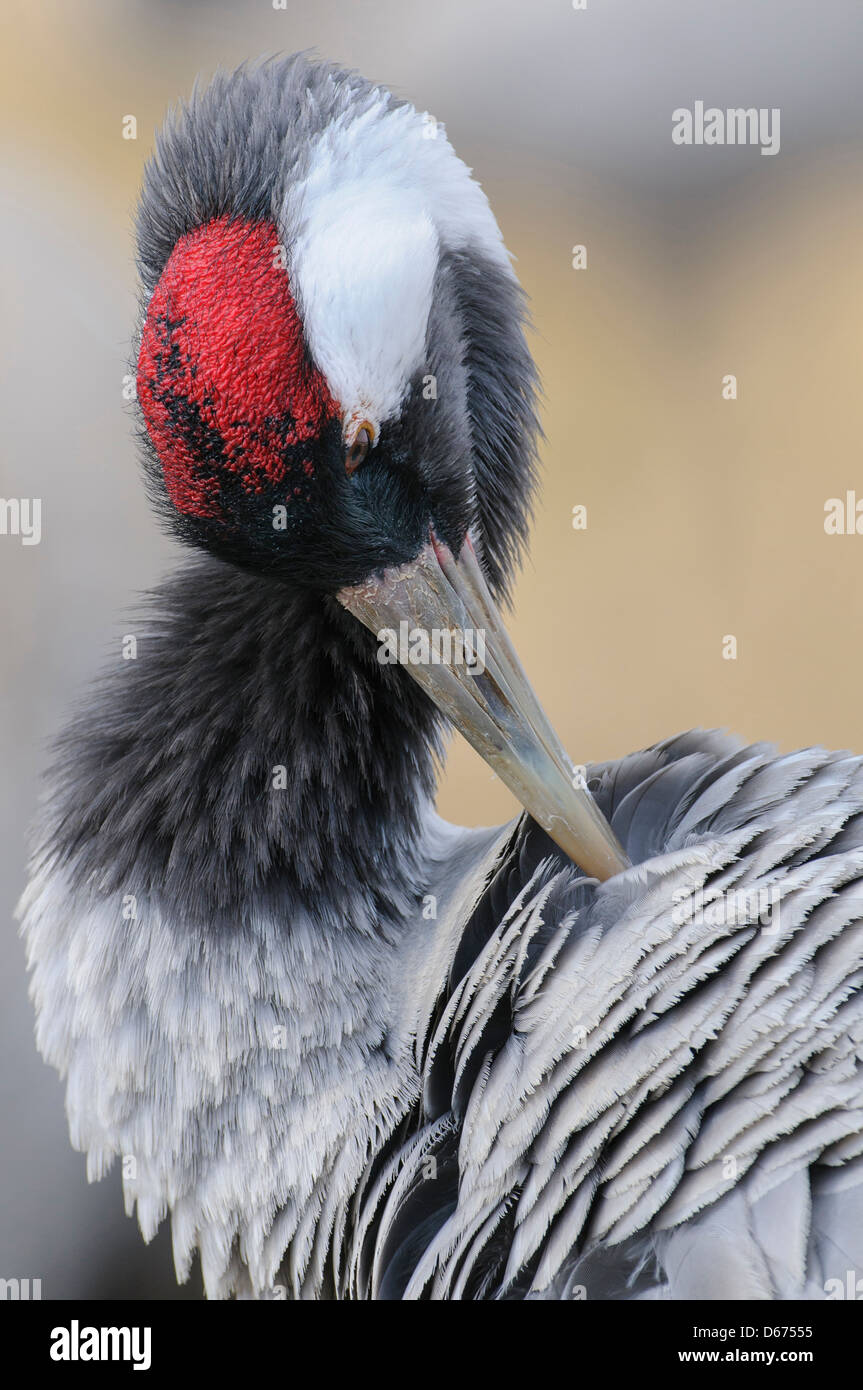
(224, 381)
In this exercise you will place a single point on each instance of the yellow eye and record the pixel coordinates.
(359, 449)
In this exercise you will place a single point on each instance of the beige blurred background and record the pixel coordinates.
(705, 516)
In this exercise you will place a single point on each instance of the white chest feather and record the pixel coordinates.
(243, 1078)
(231, 1074)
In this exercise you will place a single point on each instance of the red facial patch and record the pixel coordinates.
(224, 381)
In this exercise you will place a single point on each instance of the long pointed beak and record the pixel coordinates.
(437, 617)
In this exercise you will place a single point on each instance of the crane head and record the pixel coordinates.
(335, 387)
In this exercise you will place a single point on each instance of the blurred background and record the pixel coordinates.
(705, 516)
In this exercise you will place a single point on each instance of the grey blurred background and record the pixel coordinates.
(705, 517)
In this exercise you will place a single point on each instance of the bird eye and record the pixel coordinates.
(358, 451)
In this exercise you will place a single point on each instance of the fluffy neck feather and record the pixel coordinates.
(253, 754)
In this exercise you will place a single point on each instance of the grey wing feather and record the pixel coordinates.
(652, 1087)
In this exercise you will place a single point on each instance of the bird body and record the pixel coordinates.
(550, 1086)
(352, 1050)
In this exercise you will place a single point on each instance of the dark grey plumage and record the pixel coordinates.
(169, 782)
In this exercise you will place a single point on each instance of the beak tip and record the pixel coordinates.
(496, 709)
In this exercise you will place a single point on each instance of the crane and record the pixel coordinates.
(611, 1050)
